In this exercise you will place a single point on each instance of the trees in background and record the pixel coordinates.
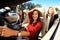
(28, 6)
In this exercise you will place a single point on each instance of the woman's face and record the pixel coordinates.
(35, 15)
(20, 12)
(51, 11)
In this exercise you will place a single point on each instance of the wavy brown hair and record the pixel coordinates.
(39, 15)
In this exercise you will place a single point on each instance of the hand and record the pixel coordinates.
(1, 27)
(7, 32)
(0, 31)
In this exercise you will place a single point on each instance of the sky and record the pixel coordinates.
(47, 3)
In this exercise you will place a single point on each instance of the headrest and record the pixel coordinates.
(11, 17)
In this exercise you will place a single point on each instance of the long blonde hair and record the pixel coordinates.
(53, 10)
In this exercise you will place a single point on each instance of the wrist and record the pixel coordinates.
(15, 33)
(19, 33)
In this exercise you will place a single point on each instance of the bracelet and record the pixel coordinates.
(19, 34)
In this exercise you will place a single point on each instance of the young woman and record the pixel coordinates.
(51, 16)
(32, 30)
(21, 16)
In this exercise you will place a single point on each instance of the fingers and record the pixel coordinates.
(3, 32)
(1, 29)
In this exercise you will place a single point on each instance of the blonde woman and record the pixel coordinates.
(50, 17)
